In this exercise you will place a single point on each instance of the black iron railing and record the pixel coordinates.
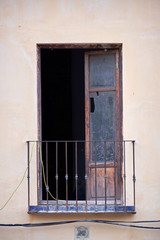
(81, 176)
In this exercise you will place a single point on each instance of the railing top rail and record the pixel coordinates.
(70, 141)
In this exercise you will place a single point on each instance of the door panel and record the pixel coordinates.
(103, 124)
(100, 183)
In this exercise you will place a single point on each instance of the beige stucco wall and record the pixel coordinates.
(23, 24)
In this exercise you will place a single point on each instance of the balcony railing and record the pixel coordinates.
(81, 176)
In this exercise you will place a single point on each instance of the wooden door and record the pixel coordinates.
(103, 125)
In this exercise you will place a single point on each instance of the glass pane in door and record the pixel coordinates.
(102, 126)
(102, 71)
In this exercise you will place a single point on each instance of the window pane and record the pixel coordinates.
(102, 71)
(102, 125)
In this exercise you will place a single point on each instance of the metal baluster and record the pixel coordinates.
(105, 176)
(47, 187)
(86, 175)
(95, 178)
(66, 177)
(37, 176)
(76, 176)
(28, 176)
(134, 177)
(56, 176)
(124, 178)
(115, 177)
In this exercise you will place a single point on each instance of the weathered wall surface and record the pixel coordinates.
(23, 24)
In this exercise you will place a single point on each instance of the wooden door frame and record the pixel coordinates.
(87, 46)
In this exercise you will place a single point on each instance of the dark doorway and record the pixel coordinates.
(63, 118)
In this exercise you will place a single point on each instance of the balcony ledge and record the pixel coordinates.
(81, 209)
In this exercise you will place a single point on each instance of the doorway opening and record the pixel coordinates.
(80, 122)
(63, 117)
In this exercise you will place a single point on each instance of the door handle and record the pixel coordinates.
(92, 104)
